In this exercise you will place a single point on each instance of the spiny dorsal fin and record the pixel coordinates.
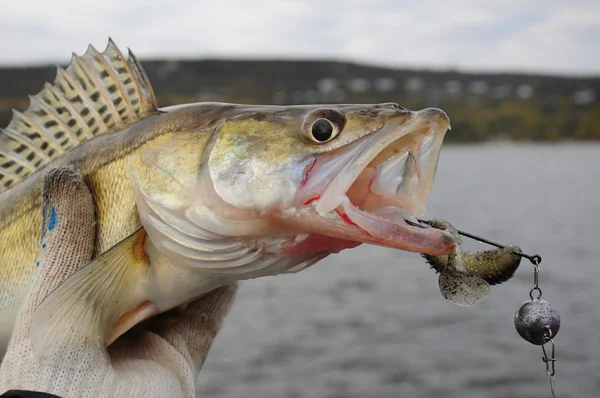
(96, 94)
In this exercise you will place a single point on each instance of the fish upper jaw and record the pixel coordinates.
(367, 190)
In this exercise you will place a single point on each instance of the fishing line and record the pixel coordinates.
(536, 320)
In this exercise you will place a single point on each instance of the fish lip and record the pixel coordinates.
(394, 232)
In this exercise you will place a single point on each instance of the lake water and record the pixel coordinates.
(370, 321)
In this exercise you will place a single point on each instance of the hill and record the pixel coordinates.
(481, 106)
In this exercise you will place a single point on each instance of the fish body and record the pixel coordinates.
(191, 197)
(102, 163)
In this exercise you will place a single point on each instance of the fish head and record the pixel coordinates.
(292, 183)
(354, 173)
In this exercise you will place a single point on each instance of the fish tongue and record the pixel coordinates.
(388, 225)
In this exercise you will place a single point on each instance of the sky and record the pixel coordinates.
(550, 37)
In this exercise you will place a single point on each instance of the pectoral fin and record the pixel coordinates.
(93, 306)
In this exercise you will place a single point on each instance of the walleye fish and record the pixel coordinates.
(192, 197)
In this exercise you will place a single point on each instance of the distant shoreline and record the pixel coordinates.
(482, 106)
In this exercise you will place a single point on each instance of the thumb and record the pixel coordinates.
(67, 233)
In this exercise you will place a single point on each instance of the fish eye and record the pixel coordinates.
(321, 130)
(323, 125)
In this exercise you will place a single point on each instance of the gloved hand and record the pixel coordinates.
(159, 358)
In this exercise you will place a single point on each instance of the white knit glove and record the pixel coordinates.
(160, 358)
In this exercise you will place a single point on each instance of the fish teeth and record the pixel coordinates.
(426, 152)
(411, 218)
(390, 175)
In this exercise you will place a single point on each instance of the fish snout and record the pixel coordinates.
(433, 115)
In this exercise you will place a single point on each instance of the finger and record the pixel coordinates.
(66, 244)
(175, 342)
(197, 324)
(67, 232)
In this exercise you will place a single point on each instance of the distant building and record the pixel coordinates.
(385, 84)
(478, 87)
(453, 87)
(524, 91)
(414, 84)
(327, 85)
(329, 90)
(584, 97)
(359, 85)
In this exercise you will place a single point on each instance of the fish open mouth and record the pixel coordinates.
(377, 186)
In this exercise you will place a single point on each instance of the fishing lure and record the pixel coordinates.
(465, 278)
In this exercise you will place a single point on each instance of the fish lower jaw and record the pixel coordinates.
(389, 226)
(373, 220)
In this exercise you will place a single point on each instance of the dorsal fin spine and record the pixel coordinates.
(11, 175)
(79, 63)
(111, 46)
(64, 75)
(80, 122)
(98, 93)
(52, 113)
(113, 74)
(21, 139)
(137, 70)
(51, 140)
(18, 159)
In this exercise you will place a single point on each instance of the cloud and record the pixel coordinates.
(565, 40)
(526, 35)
